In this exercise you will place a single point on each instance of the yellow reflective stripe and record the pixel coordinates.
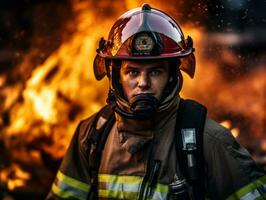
(126, 187)
(162, 188)
(120, 187)
(117, 194)
(65, 194)
(72, 182)
(108, 178)
(160, 191)
(250, 188)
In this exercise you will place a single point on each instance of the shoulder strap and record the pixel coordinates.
(191, 118)
(96, 141)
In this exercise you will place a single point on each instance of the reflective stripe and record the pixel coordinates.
(120, 179)
(126, 187)
(66, 187)
(251, 191)
(120, 187)
(117, 194)
(72, 182)
(251, 195)
(123, 187)
(161, 192)
(66, 194)
(159, 195)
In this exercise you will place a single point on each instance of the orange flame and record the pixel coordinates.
(14, 176)
(228, 124)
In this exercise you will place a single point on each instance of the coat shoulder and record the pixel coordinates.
(215, 132)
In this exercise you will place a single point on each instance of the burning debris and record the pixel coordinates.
(41, 109)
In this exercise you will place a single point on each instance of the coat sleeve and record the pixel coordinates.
(231, 172)
(72, 179)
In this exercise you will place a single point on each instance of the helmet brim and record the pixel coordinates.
(188, 62)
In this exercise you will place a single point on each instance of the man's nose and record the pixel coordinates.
(143, 81)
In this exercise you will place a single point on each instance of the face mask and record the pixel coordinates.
(143, 105)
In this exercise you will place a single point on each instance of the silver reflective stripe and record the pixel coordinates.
(123, 187)
(159, 195)
(253, 194)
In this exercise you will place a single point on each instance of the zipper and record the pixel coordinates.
(151, 176)
(146, 177)
(152, 179)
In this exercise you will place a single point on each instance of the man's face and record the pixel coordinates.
(144, 77)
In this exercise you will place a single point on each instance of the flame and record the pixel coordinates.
(52, 89)
(14, 177)
(228, 124)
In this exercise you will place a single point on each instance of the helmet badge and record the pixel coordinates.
(143, 44)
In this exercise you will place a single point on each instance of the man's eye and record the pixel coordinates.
(132, 73)
(155, 72)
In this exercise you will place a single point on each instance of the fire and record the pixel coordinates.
(62, 91)
(43, 104)
(14, 177)
(228, 124)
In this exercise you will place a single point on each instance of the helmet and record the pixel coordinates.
(145, 33)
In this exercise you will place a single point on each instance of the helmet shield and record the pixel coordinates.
(155, 24)
(150, 21)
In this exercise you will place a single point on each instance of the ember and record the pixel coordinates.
(48, 90)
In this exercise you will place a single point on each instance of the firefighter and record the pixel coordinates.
(147, 142)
